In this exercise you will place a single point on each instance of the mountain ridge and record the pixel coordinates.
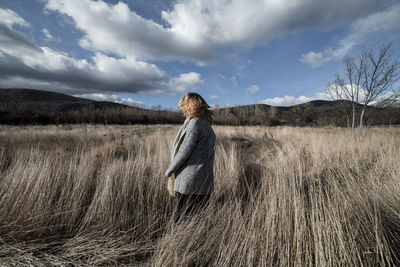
(25, 105)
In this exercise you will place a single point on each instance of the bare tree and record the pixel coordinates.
(347, 86)
(367, 79)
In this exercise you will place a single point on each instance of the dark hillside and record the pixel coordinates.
(317, 113)
(30, 106)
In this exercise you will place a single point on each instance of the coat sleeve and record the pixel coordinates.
(186, 148)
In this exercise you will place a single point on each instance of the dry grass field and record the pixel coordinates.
(96, 195)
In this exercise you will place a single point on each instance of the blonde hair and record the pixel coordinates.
(193, 105)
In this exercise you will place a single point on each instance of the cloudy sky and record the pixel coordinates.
(147, 53)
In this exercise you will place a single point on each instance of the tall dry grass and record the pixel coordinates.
(96, 195)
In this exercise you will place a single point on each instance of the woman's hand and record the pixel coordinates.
(168, 173)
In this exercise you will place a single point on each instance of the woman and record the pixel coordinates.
(192, 156)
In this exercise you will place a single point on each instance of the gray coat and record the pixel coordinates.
(193, 164)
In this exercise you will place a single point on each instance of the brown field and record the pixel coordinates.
(285, 196)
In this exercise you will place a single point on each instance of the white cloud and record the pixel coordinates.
(131, 102)
(316, 59)
(9, 18)
(385, 22)
(345, 92)
(337, 92)
(49, 37)
(186, 81)
(117, 29)
(47, 33)
(99, 97)
(22, 63)
(236, 22)
(48, 68)
(214, 97)
(195, 28)
(291, 100)
(234, 80)
(252, 89)
(112, 98)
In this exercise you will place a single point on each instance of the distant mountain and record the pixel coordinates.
(317, 105)
(40, 99)
(316, 112)
(31, 106)
(22, 106)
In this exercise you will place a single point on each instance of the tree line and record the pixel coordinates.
(340, 114)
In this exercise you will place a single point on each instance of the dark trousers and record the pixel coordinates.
(190, 203)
